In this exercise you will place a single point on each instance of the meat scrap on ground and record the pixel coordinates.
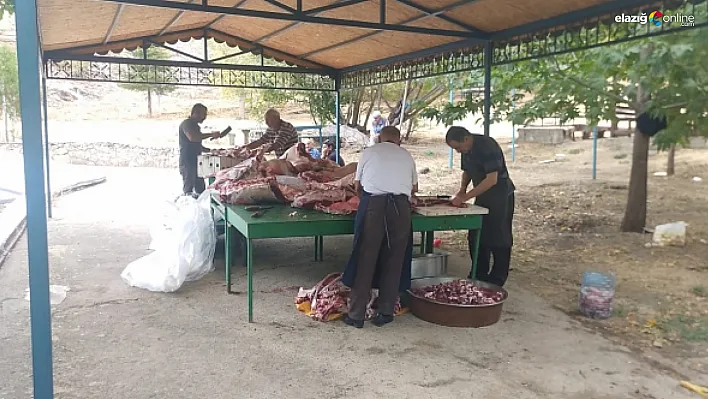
(327, 300)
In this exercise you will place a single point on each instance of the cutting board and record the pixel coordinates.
(447, 210)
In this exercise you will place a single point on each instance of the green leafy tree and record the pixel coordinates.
(144, 72)
(7, 7)
(657, 75)
(9, 89)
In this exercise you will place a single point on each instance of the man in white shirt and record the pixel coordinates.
(386, 180)
(377, 123)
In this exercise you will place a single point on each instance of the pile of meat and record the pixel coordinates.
(460, 292)
(596, 302)
(328, 300)
(256, 181)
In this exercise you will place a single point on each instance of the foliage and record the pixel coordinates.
(153, 53)
(590, 84)
(7, 7)
(9, 88)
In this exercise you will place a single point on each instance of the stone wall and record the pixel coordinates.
(107, 154)
(542, 135)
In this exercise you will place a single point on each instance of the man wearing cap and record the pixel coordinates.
(377, 123)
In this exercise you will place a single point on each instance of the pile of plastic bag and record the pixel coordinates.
(184, 241)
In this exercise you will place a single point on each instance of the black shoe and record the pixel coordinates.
(382, 319)
(354, 323)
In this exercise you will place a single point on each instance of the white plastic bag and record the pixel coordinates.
(670, 234)
(184, 249)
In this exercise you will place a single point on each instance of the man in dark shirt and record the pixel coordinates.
(190, 146)
(484, 166)
(279, 136)
(330, 153)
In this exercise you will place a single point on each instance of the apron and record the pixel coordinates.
(350, 271)
(496, 226)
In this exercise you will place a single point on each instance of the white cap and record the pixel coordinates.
(376, 114)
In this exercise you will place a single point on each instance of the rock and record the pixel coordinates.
(424, 171)
(660, 174)
(657, 344)
(697, 179)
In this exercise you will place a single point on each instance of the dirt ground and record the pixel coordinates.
(566, 223)
(114, 341)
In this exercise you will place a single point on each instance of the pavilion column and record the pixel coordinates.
(337, 111)
(47, 153)
(28, 62)
(487, 87)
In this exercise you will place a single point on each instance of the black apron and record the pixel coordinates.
(350, 271)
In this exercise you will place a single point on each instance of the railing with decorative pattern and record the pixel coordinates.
(108, 70)
(515, 45)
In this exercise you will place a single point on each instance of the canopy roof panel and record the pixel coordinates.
(326, 35)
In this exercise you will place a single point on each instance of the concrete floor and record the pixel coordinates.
(114, 341)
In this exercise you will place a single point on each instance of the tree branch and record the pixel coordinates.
(559, 71)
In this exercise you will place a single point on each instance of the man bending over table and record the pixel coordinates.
(383, 238)
(279, 136)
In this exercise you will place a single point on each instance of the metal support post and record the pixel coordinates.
(47, 149)
(594, 153)
(487, 86)
(513, 128)
(337, 99)
(28, 64)
(452, 100)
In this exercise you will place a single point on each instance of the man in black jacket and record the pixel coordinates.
(484, 166)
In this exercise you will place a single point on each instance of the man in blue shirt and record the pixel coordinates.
(377, 123)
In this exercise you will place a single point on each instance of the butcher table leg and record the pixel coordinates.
(228, 245)
(249, 271)
(428, 238)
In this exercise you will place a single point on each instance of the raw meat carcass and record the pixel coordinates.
(319, 177)
(328, 299)
(276, 167)
(246, 169)
(325, 197)
(248, 192)
(340, 208)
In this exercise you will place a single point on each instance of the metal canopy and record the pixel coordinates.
(328, 44)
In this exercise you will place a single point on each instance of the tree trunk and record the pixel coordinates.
(635, 213)
(356, 110)
(403, 104)
(7, 125)
(670, 163)
(149, 93)
(372, 93)
(380, 94)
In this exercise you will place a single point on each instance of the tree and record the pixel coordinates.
(9, 89)
(144, 72)
(7, 7)
(657, 75)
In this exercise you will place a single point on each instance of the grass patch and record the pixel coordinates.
(575, 151)
(700, 291)
(688, 328)
(620, 156)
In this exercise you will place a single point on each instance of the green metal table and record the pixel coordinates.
(283, 221)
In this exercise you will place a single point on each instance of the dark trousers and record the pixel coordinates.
(495, 242)
(384, 239)
(191, 183)
(495, 273)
